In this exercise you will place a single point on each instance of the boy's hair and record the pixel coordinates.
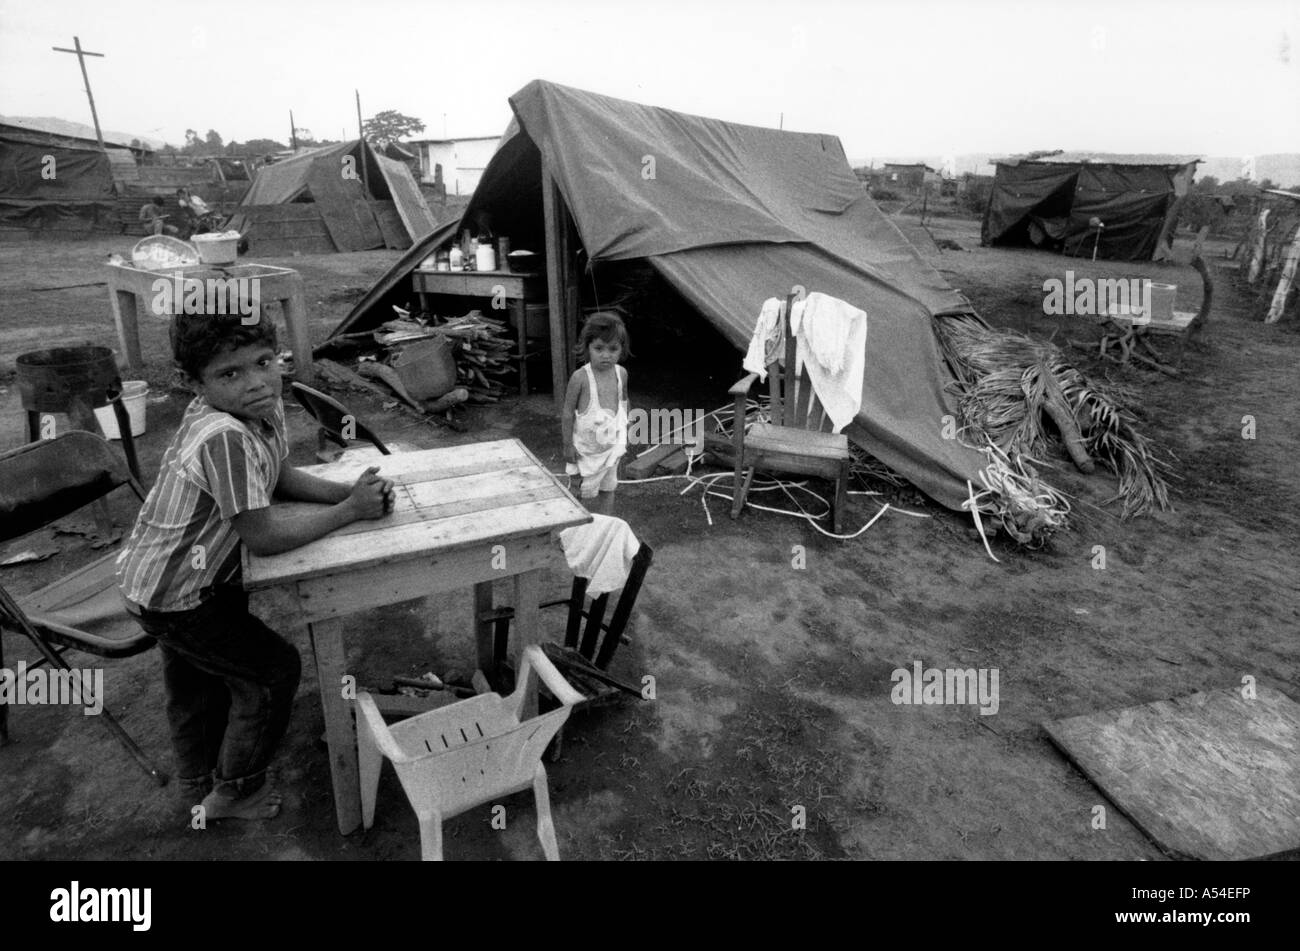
(198, 338)
(607, 326)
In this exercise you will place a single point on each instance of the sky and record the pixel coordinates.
(892, 80)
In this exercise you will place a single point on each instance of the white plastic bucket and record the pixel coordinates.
(217, 248)
(133, 398)
(1162, 301)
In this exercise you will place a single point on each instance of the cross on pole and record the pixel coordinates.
(81, 58)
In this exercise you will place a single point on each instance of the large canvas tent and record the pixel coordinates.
(1050, 201)
(344, 197)
(50, 182)
(729, 215)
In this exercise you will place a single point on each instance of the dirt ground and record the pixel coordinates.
(772, 682)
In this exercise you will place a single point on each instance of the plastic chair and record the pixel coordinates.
(39, 484)
(329, 413)
(465, 754)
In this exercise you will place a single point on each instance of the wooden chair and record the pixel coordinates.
(798, 439)
(583, 660)
(39, 484)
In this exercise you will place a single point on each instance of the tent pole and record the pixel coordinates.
(361, 134)
(557, 266)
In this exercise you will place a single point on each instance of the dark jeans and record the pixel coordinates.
(230, 683)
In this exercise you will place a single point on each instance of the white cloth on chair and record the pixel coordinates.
(601, 551)
(832, 344)
(767, 338)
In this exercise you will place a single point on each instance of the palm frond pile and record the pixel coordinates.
(1005, 384)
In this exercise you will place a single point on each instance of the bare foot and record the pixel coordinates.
(263, 804)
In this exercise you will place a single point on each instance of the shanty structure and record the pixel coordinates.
(1051, 200)
(345, 197)
(51, 182)
(729, 215)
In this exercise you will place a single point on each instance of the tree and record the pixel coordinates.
(389, 126)
(258, 147)
(213, 142)
(192, 142)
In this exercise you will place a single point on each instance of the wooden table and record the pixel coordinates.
(517, 290)
(127, 285)
(465, 516)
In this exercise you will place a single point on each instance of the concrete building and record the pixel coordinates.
(457, 163)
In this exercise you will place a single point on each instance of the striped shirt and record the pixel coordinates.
(183, 543)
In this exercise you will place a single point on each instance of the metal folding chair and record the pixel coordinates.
(39, 484)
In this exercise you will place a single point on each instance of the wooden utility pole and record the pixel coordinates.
(361, 133)
(81, 58)
(293, 133)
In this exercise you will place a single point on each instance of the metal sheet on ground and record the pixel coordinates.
(1208, 776)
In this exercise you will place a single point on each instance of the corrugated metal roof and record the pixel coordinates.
(1101, 158)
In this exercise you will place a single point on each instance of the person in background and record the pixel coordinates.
(196, 211)
(153, 219)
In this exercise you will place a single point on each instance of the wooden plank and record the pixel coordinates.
(349, 591)
(429, 464)
(337, 199)
(646, 464)
(526, 287)
(407, 197)
(1210, 776)
(390, 225)
(417, 504)
(675, 463)
(440, 536)
(764, 436)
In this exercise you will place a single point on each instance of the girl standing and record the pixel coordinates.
(594, 418)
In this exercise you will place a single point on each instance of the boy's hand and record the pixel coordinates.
(372, 497)
(571, 455)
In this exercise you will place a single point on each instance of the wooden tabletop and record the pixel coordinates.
(447, 499)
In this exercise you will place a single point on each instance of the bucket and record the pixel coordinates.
(1162, 301)
(133, 398)
(49, 380)
(217, 248)
(426, 368)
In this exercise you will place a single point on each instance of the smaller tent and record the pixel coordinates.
(1049, 201)
(344, 197)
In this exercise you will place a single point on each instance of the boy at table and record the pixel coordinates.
(229, 679)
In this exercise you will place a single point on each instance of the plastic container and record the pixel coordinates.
(133, 398)
(217, 248)
(1162, 301)
(485, 258)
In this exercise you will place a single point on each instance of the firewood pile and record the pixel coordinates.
(482, 350)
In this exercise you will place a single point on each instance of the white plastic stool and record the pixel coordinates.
(466, 754)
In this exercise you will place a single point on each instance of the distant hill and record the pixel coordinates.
(1282, 168)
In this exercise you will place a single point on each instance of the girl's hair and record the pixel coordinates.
(198, 338)
(607, 326)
